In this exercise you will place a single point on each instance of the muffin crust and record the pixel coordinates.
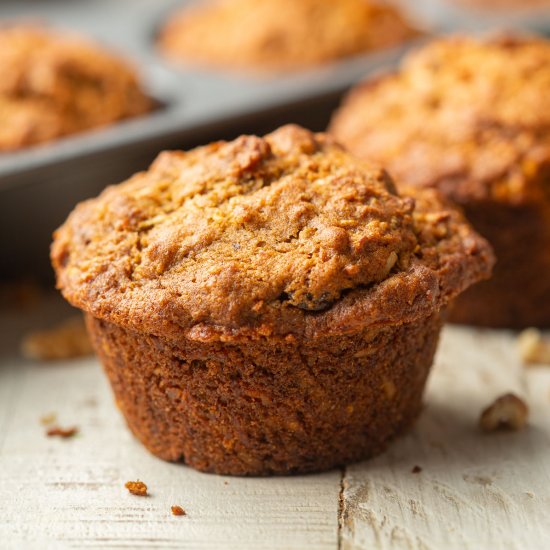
(57, 84)
(266, 35)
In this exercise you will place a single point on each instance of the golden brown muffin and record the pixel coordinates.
(471, 118)
(267, 305)
(279, 35)
(54, 85)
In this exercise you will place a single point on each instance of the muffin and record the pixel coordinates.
(471, 118)
(54, 85)
(280, 35)
(266, 305)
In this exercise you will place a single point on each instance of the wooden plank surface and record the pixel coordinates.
(474, 490)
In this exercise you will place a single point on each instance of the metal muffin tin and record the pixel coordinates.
(40, 185)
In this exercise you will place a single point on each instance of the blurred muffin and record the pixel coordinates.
(279, 35)
(54, 85)
(504, 4)
(472, 118)
(267, 305)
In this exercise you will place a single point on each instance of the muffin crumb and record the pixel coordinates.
(508, 412)
(533, 348)
(416, 469)
(137, 488)
(65, 433)
(178, 511)
(48, 419)
(67, 340)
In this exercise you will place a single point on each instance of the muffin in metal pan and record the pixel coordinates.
(471, 118)
(55, 84)
(280, 35)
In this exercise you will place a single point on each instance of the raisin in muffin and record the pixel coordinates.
(267, 305)
(471, 117)
(279, 35)
(54, 85)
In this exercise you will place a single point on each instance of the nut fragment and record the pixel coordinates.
(137, 488)
(533, 348)
(64, 341)
(508, 412)
(178, 511)
(56, 431)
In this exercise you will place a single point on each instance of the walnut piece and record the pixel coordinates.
(508, 412)
(137, 488)
(533, 348)
(64, 341)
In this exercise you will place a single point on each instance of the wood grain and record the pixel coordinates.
(474, 490)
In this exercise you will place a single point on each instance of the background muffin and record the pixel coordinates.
(267, 305)
(53, 85)
(266, 35)
(505, 4)
(471, 118)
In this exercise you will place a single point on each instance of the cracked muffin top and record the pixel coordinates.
(56, 84)
(469, 116)
(286, 234)
(276, 35)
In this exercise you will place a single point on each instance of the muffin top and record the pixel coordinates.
(276, 35)
(286, 234)
(53, 85)
(469, 116)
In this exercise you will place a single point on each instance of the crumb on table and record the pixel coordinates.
(48, 419)
(508, 412)
(178, 511)
(416, 469)
(66, 340)
(137, 488)
(56, 431)
(533, 348)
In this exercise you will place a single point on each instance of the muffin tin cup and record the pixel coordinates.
(268, 406)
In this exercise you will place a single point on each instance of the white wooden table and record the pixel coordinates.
(474, 491)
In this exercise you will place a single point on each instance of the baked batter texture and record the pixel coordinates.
(266, 305)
